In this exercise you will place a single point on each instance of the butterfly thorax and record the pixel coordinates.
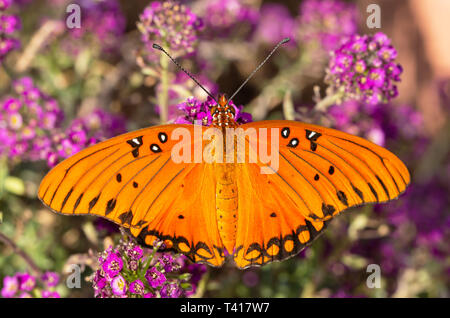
(223, 117)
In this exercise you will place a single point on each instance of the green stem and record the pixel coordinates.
(328, 101)
(163, 96)
(22, 254)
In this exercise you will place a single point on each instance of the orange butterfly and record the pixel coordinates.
(205, 209)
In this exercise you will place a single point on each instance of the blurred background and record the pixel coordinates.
(62, 89)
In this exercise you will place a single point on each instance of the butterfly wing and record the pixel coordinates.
(132, 180)
(320, 172)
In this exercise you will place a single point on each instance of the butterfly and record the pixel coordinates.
(255, 211)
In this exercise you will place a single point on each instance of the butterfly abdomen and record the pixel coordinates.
(227, 210)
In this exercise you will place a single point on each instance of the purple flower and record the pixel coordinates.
(119, 285)
(135, 253)
(112, 265)
(149, 295)
(9, 24)
(137, 287)
(50, 294)
(169, 22)
(50, 279)
(103, 22)
(327, 22)
(275, 23)
(170, 290)
(26, 281)
(10, 286)
(364, 70)
(155, 277)
(5, 4)
(167, 262)
(197, 112)
(224, 18)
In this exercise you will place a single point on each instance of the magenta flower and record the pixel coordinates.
(51, 279)
(197, 112)
(171, 290)
(26, 281)
(363, 69)
(103, 23)
(10, 286)
(167, 262)
(5, 4)
(112, 265)
(119, 285)
(135, 253)
(50, 294)
(155, 278)
(137, 287)
(276, 23)
(8, 25)
(224, 18)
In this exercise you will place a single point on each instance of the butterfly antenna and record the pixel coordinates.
(156, 46)
(285, 40)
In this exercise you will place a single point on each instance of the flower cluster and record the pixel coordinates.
(326, 22)
(30, 126)
(364, 68)
(223, 18)
(170, 23)
(24, 285)
(194, 111)
(130, 271)
(27, 121)
(103, 23)
(8, 25)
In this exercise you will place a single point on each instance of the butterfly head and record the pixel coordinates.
(222, 113)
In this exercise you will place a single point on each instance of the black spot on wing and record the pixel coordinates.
(93, 202)
(155, 148)
(327, 209)
(316, 177)
(135, 143)
(126, 217)
(312, 136)
(293, 143)
(77, 202)
(285, 132)
(342, 197)
(162, 136)
(110, 206)
(331, 170)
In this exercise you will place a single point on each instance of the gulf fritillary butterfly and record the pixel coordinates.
(205, 210)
